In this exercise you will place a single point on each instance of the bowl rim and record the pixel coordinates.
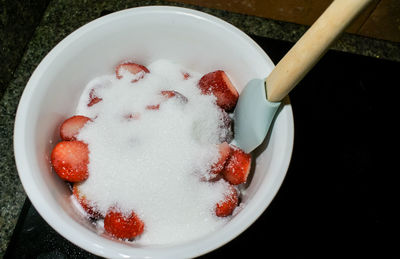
(191, 249)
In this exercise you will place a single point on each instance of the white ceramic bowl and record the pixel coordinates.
(196, 40)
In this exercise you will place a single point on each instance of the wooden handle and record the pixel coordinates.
(311, 47)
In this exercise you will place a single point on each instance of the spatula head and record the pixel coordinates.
(253, 116)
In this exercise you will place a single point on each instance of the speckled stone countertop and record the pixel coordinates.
(60, 18)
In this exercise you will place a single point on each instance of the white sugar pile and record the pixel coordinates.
(153, 162)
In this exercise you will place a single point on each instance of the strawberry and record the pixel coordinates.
(93, 98)
(224, 152)
(225, 207)
(218, 83)
(132, 116)
(123, 226)
(186, 75)
(86, 205)
(70, 160)
(132, 68)
(168, 95)
(70, 127)
(237, 167)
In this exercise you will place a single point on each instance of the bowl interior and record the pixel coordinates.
(193, 39)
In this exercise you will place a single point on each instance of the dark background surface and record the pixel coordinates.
(18, 21)
(339, 197)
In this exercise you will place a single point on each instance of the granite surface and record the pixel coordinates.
(60, 18)
(18, 20)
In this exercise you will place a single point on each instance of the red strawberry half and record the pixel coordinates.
(70, 160)
(237, 167)
(218, 83)
(132, 68)
(86, 205)
(228, 204)
(224, 151)
(71, 127)
(125, 226)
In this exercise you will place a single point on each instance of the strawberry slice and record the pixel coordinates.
(168, 95)
(86, 205)
(237, 167)
(70, 127)
(224, 152)
(153, 107)
(132, 116)
(218, 83)
(185, 75)
(225, 207)
(124, 226)
(132, 68)
(93, 98)
(70, 160)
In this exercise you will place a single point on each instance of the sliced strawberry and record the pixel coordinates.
(237, 167)
(132, 68)
(186, 75)
(123, 226)
(153, 107)
(86, 205)
(70, 160)
(70, 127)
(132, 116)
(168, 95)
(218, 83)
(225, 207)
(93, 98)
(224, 151)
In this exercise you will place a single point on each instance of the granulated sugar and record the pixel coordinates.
(153, 161)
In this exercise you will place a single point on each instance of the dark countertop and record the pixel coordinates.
(48, 22)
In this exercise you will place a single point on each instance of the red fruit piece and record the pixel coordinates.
(93, 98)
(225, 207)
(90, 210)
(237, 167)
(70, 127)
(123, 226)
(224, 151)
(168, 95)
(70, 160)
(153, 107)
(132, 68)
(218, 83)
(186, 75)
(132, 116)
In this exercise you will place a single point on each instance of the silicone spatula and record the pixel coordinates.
(261, 98)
